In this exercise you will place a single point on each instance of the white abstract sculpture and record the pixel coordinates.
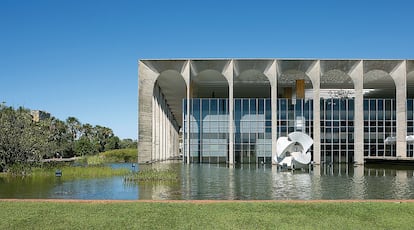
(292, 151)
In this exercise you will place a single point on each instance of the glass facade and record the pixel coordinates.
(252, 130)
(379, 123)
(410, 126)
(294, 115)
(208, 130)
(209, 136)
(337, 129)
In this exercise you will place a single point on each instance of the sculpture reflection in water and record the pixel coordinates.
(292, 151)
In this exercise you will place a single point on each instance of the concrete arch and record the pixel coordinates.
(288, 80)
(209, 83)
(169, 90)
(336, 78)
(252, 83)
(336, 83)
(410, 84)
(379, 84)
(380, 89)
(173, 86)
(253, 76)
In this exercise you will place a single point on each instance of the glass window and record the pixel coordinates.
(336, 108)
(351, 109)
(328, 109)
(366, 101)
(281, 109)
(373, 109)
(388, 109)
(253, 106)
(237, 109)
(196, 108)
(245, 107)
(205, 107)
(260, 106)
(213, 107)
(268, 109)
(185, 108)
(409, 109)
(298, 107)
(222, 106)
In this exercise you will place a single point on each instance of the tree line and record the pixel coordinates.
(24, 140)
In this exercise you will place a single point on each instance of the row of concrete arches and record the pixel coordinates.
(254, 78)
(179, 79)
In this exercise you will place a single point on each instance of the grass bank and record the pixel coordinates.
(226, 215)
(111, 156)
(70, 172)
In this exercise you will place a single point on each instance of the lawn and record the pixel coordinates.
(192, 215)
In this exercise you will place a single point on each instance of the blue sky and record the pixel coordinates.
(79, 58)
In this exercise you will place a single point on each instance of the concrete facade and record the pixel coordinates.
(38, 115)
(163, 84)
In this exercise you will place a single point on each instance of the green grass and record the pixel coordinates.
(70, 172)
(153, 175)
(227, 215)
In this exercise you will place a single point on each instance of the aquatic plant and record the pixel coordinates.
(152, 175)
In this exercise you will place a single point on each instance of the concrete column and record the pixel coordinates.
(357, 75)
(147, 78)
(164, 128)
(271, 74)
(156, 124)
(154, 127)
(228, 73)
(159, 136)
(186, 74)
(314, 72)
(169, 135)
(399, 74)
(231, 124)
(167, 130)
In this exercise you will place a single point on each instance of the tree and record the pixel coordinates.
(74, 127)
(58, 137)
(128, 143)
(112, 143)
(103, 134)
(21, 140)
(83, 146)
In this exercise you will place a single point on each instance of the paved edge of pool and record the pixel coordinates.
(201, 201)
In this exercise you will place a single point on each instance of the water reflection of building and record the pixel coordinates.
(233, 110)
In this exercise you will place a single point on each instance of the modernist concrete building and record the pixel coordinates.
(234, 110)
(38, 115)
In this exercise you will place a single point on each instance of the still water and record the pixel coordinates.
(245, 182)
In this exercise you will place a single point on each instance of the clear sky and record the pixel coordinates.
(79, 57)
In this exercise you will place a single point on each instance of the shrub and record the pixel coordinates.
(120, 155)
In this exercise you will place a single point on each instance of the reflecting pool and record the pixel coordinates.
(244, 182)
